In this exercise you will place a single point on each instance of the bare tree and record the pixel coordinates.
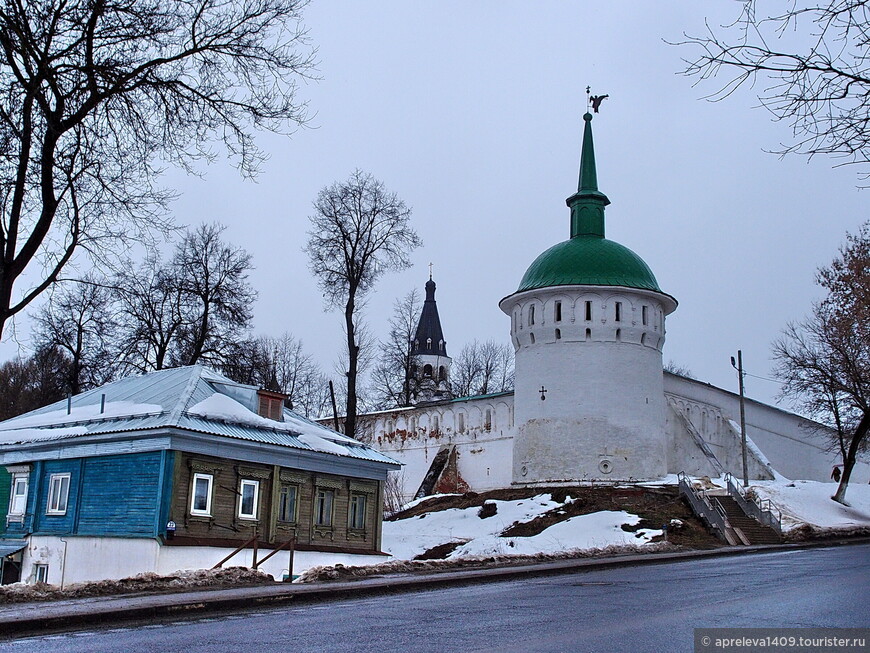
(482, 368)
(824, 361)
(217, 300)
(391, 375)
(813, 62)
(280, 364)
(681, 370)
(151, 313)
(93, 93)
(78, 319)
(359, 231)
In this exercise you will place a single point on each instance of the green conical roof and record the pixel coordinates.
(588, 258)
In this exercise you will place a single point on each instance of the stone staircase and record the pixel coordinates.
(749, 530)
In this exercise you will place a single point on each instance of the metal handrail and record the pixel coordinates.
(763, 511)
(712, 514)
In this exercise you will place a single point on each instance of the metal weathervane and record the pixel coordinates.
(594, 101)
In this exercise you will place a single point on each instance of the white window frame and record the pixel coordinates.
(58, 496)
(40, 572)
(17, 514)
(208, 496)
(354, 517)
(245, 482)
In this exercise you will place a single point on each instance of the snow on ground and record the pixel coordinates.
(593, 531)
(809, 502)
(406, 538)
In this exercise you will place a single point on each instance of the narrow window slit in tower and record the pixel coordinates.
(588, 311)
(558, 334)
(618, 311)
(558, 312)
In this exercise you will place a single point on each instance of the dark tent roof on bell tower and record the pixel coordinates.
(429, 339)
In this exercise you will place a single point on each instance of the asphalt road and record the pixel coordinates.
(648, 608)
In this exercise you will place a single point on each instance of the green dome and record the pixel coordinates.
(588, 260)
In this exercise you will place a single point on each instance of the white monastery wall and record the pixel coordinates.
(481, 429)
(788, 441)
(486, 456)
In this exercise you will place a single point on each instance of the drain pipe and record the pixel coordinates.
(63, 563)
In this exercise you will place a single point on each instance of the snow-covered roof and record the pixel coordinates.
(194, 399)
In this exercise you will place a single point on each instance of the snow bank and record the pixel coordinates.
(809, 502)
(147, 582)
(405, 539)
(342, 572)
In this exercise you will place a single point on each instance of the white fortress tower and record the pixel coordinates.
(588, 326)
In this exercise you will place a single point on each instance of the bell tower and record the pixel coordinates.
(430, 364)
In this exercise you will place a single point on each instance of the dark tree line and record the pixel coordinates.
(194, 308)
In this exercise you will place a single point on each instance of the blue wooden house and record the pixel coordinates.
(178, 469)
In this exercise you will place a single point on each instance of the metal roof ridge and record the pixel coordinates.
(186, 394)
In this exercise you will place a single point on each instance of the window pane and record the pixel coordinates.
(19, 496)
(248, 506)
(287, 505)
(63, 493)
(358, 511)
(323, 514)
(200, 494)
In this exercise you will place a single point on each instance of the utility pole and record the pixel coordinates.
(740, 373)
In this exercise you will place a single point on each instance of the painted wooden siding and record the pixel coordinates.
(5, 489)
(109, 495)
(225, 524)
(55, 524)
(120, 495)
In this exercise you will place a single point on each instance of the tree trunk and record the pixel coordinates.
(352, 364)
(851, 457)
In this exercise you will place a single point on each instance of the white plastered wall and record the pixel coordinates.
(793, 447)
(481, 429)
(80, 559)
(603, 411)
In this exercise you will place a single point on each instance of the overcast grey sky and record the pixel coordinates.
(471, 112)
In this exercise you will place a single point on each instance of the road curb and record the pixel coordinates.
(43, 618)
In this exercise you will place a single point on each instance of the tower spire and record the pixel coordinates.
(587, 204)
